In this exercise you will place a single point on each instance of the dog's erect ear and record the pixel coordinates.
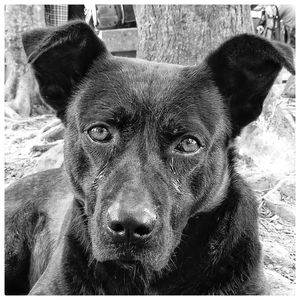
(60, 56)
(244, 69)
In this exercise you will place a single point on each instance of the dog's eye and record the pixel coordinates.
(99, 134)
(188, 145)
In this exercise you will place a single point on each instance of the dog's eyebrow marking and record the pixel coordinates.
(107, 112)
(182, 117)
(181, 126)
(110, 83)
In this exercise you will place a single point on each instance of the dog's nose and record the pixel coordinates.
(130, 224)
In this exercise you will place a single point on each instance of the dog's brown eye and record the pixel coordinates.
(188, 145)
(99, 134)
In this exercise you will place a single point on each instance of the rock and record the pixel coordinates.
(276, 254)
(53, 134)
(258, 182)
(50, 125)
(9, 112)
(265, 139)
(278, 284)
(20, 139)
(289, 90)
(282, 209)
(282, 77)
(51, 159)
(44, 147)
(15, 126)
(288, 189)
(273, 196)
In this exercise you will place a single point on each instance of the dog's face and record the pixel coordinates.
(146, 143)
(147, 147)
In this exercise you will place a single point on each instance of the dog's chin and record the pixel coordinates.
(151, 260)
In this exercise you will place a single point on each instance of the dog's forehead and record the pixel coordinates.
(162, 90)
(139, 80)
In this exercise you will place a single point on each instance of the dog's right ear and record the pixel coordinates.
(60, 56)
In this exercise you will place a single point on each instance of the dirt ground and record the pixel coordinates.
(277, 229)
(20, 136)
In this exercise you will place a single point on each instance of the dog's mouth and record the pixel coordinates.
(131, 257)
(127, 257)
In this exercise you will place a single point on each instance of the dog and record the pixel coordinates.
(148, 201)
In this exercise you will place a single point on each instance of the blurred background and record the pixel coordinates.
(182, 34)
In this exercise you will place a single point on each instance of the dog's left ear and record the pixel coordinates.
(244, 68)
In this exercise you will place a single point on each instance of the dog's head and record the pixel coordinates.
(146, 143)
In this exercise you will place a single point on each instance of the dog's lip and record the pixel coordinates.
(128, 262)
(127, 259)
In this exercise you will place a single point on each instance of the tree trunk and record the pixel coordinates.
(21, 90)
(185, 34)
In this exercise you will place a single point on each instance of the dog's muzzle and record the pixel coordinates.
(130, 221)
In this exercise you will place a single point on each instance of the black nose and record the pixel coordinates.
(130, 224)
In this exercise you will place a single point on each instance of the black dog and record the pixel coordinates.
(149, 201)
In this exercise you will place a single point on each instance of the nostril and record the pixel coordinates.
(117, 227)
(142, 230)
